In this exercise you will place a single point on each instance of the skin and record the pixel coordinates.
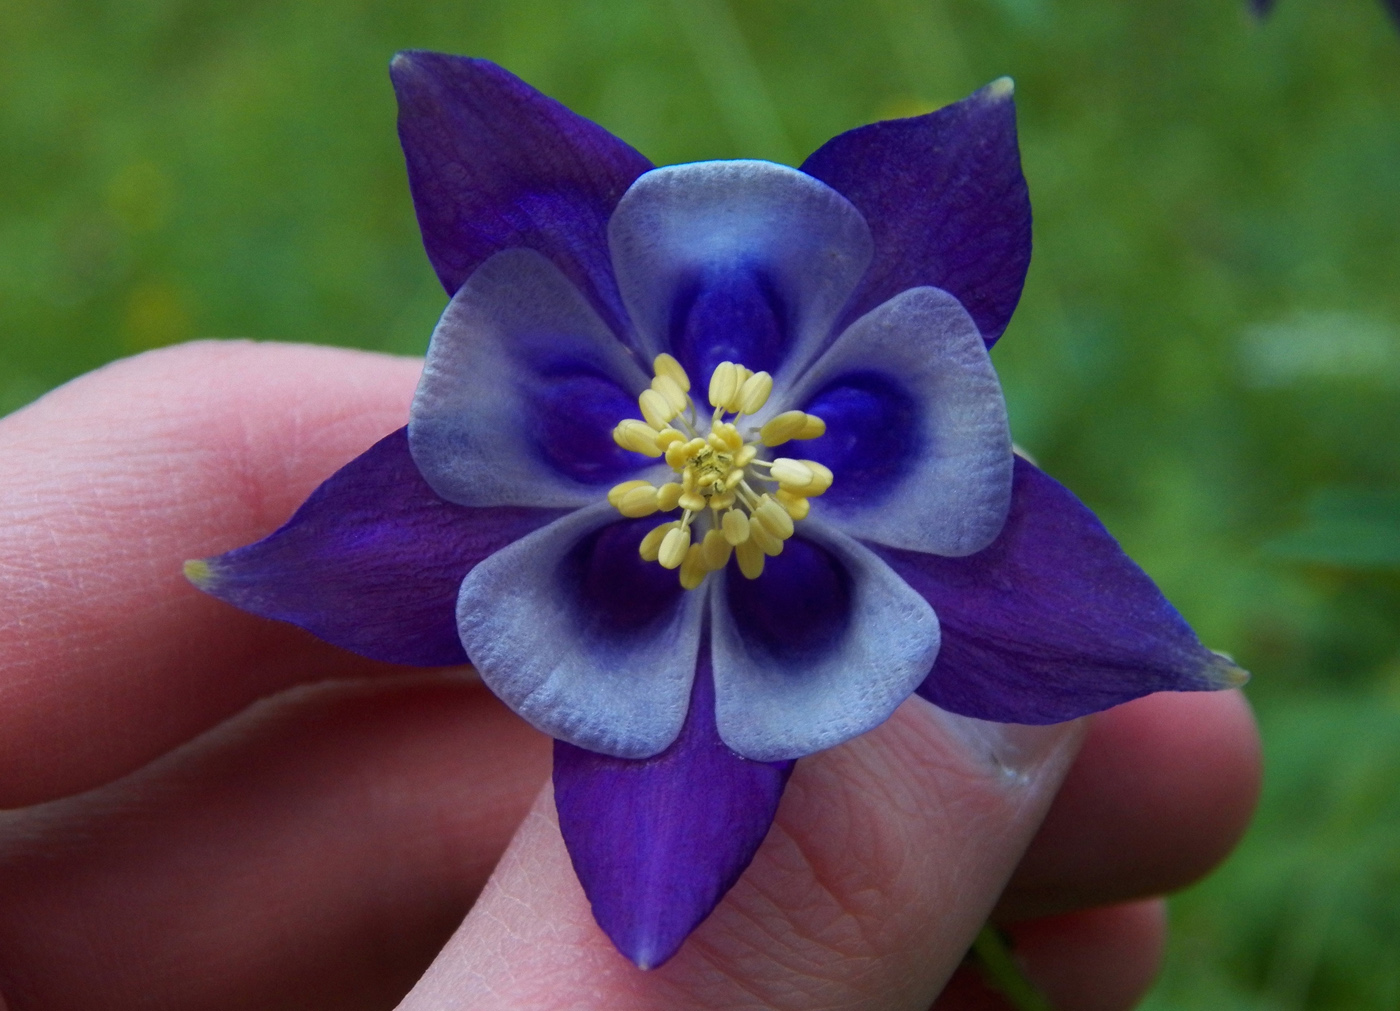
(206, 810)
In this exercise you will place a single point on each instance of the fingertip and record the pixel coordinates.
(1095, 960)
(1162, 790)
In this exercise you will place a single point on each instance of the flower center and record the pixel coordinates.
(732, 502)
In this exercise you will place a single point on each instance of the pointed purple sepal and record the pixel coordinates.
(1053, 621)
(656, 843)
(946, 203)
(372, 561)
(494, 164)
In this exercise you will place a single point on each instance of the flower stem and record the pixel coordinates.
(1002, 972)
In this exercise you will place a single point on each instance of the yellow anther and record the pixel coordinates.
(782, 427)
(797, 507)
(674, 547)
(773, 518)
(712, 469)
(750, 557)
(637, 436)
(715, 550)
(667, 496)
(724, 383)
(792, 474)
(671, 390)
(693, 570)
(754, 393)
(638, 502)
(821, 477)
(656, 409)
(650, 547)
(665, 365)
(735, 526)
(616, 495)
(769, 544)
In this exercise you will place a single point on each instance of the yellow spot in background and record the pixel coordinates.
(157, 314)
(197, 571)
(139, 196)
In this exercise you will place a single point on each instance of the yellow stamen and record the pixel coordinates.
(780, 428)
(797, 507)
(750, 558)
(656, 409)
(773, 518)
(693, 570)
(736, 526)
(821, 477)
(715, 550)
(665, 365)
(671, 390)
(754, 393)
(792, 474)
(637, 436)
(667, 437)
(620, 491)
(724, 383)
(766, 542)
(638, 502)
(674, 547)
(650, 548)
(714, 463)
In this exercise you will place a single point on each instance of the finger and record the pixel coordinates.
(1159, 794)
(1096, 960)
(884, 860)
(312, 853)
(107, 656)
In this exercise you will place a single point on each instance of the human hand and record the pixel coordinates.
(187, 832)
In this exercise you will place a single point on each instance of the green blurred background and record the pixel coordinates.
(1208, 350)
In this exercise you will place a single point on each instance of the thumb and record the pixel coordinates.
(886, 856)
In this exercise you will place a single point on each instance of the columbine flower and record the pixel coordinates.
(598, 503)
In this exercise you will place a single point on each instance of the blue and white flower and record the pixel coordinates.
(709, 470)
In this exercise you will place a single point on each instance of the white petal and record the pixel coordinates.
(948, 488)
(517, 341)
(777, 700)
(533, 625)
(679, 223)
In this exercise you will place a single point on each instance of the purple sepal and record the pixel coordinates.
(1052, 621)
(656, 843)
(946, 203)
(371, 561)
(493, 164)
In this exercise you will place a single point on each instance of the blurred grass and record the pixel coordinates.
(1208, 350)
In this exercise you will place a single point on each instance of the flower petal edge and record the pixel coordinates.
(1053, 621)
(371, 561)
(946, 202)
